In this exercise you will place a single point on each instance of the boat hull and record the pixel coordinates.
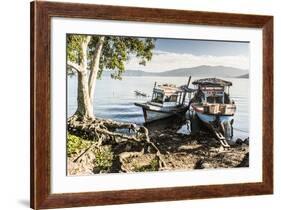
(207, 118)
(153, 113)
(150, 115)
(224, 123)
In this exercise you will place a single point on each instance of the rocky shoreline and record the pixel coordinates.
(178, 151)
(200, 151)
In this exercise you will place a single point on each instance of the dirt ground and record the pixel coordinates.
(186, 152)
(179, 152)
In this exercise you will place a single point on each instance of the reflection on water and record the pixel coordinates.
(115, 99)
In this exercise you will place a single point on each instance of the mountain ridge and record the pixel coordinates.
(203, 70)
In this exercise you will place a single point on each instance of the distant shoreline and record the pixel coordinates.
(180, 76)
(198, 71)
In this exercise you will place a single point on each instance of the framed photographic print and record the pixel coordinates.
(141, 105)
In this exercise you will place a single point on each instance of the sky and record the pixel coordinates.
(170, 54)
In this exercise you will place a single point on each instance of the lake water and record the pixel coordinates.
(114, 99)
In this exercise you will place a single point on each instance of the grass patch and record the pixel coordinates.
(103, 158)
(153, 166)
(75, 144)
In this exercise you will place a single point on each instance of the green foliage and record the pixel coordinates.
(75, 144)
(73, 47)
(103, 155)
(115, 52)
(153, 166)
(103, 158)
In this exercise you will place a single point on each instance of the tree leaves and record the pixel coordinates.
(116, 51)
(73, 47)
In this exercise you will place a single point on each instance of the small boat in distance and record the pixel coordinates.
(167, 100)
(139, 93)
(214, 107)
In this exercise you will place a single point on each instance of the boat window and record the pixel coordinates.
(157, 97)
(199, 96)
(172, 98)
(214, 99)
(226, 98)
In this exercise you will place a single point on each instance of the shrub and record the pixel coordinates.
(153, 166)
(75, 144)
(103, 158)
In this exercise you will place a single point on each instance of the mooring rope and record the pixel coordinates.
(240, 130)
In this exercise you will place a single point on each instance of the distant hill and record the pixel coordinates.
(246, 76)
(199, 71)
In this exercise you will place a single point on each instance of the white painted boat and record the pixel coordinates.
(167, 100)
(152, 112)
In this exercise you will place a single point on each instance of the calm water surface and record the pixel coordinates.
(115, 99)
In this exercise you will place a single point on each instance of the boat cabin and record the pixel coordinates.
(211, 97)
(168, 95)
(212, 91)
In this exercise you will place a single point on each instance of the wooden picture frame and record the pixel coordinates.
(41, 14)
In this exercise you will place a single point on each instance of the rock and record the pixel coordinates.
(244, 162)
(221, 149)
(246, 141)
(239, 141)
(206, 165)
(165, 137)
(214, 150)
(128, 147)
(176, 139)
(199, 164)
(96, 170)
(189, 147)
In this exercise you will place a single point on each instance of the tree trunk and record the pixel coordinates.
(95, 68)
(84, 105)
(87, 83)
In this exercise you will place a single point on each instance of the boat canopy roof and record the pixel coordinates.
(168, 89)
(212, 82)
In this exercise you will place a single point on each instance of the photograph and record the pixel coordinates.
(132, 104)
(152, 104)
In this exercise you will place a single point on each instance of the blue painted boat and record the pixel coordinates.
(213, 106)
(206, 118)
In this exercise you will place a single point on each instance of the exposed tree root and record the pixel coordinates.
(112, 132)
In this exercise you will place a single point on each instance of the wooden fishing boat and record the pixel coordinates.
(167, 100)
(213, 106)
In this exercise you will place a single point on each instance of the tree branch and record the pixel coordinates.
(95, 67)
(74, 66)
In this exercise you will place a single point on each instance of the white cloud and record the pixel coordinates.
(163, 61)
